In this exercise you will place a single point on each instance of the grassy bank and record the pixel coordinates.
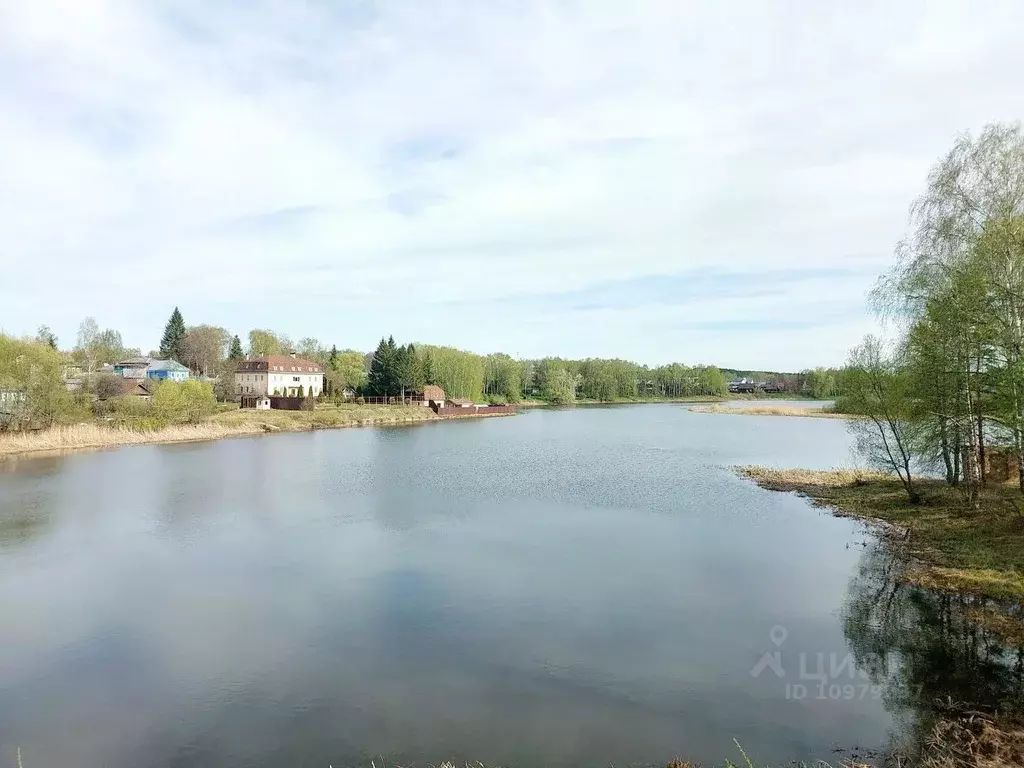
(226, 423)
(953, 548)
(770, 410)
(324, 417)
(92, 436)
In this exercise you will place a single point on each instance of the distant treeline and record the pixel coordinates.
(38, 369)
(394, 370)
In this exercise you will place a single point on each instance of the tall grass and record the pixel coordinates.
(771, 410)
(231, 423)
(98, 436)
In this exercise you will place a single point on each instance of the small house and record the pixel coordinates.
(11, 400)
(133, 367)
(166, 370)
(460, 402)
(433, 396)
(742, 386)
(131, 387)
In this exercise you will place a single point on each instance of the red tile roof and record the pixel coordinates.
(285, 363)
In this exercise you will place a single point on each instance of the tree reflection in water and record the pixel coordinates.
(920, 645)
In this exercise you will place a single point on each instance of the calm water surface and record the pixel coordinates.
(577, 587)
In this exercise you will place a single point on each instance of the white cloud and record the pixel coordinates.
(351, 173)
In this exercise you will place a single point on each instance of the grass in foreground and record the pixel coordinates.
(771, 410)
(953, 548)
(226, 423)
(86, 436)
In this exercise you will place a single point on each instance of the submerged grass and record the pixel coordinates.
(953, 548)
(771, 410)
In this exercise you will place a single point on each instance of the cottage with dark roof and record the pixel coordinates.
(284, 375)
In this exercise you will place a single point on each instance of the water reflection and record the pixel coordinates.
(563, 588)
(923, 646)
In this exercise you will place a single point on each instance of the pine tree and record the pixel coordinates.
(173, 334)
(235, 352)
(332, 359)
(381, 379)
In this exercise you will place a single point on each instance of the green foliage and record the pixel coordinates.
(822, 383)
(33, 369)
(174, 332)
(959, 283)
(310, 348)
(383, 379)
(96, 347)
(503, 378)
(348, 369)
(556, 382)
(135, 413)
(457, 372)
(187, 401)
(235, 349)
(263, 342)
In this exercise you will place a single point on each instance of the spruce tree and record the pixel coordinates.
(235, 352)
(381, 379)
(173, 334)
(332, 359)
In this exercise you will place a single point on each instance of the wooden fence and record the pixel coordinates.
(475, 410)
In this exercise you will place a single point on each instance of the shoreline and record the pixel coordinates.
(946, 547)
(65, 440)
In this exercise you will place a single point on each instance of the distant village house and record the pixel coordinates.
(133, 368)
(166, 370)
(148, 368)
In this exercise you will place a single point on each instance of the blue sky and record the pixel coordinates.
(702, 182)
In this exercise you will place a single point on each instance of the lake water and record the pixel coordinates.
(564, 587)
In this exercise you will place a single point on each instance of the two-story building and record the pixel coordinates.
(284, 375)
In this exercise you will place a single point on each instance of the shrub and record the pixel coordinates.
(34, 369)
(107, 386)
(497, 400)
(187, 401)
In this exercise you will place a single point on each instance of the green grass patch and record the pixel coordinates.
(325, 416)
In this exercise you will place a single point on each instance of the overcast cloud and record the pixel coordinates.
(715, 182)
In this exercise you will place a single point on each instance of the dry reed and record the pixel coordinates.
(770, 410)
(84, 436)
